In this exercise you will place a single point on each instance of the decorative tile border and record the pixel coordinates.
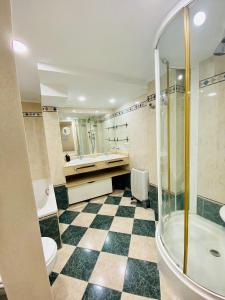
(148, 102)
(134, 107)
(212, 80)
(32, 114)
(174, 89)
(49, 108)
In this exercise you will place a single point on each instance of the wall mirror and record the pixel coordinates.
(84, 133)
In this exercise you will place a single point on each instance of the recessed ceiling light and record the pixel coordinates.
(199, 18)
(81, 98)
(73, 110)
(96, 111)
(112, 100)
(211, 94)
(180, 77)
(19, 47)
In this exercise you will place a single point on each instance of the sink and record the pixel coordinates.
(78, 161)
(108, 156)
(89, 160)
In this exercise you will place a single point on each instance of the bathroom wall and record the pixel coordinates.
(54, 145)
(211, 143)
(35, 138)
(140, 131)
(22, 264)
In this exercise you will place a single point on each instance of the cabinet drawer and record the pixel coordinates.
(89, 190)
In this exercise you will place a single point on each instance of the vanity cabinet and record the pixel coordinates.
(95, 166)
(89, 190)
(88, 178)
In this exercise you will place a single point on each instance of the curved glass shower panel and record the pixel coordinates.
(206, 253)
(171, 52)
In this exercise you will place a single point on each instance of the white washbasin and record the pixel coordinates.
(109, 156)
(87, 160)
(79, 161)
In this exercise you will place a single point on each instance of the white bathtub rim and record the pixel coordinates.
(50, 206)
(194, 286)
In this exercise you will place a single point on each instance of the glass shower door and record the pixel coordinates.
(172, 138)
(207, 156)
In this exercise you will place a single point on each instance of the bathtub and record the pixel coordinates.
(44, 198)
(205, 278)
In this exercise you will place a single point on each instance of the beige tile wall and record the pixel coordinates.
(22, 262)
(54, 147)
(36, 142)
(211, 145)
(142, 136)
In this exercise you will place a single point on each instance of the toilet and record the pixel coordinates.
(50, 254)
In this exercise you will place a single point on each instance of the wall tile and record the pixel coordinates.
(153, 198)
(209, 209)
(62, 197)
(50, 227)
(180, 201)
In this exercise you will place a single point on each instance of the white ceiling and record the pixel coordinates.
(101, 49)
(203, 39)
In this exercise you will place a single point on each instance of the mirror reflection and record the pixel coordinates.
(82, 133)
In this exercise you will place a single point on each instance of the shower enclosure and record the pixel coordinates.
(190, 97)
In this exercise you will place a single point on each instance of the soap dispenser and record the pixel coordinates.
(67, 157)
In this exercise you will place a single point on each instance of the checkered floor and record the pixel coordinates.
(108, 251)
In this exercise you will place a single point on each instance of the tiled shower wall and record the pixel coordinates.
(211, 144)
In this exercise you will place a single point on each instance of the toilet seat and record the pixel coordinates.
(50, 251)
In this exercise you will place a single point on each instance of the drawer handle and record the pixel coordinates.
(80, 168)
(91, 181)
(115, 161)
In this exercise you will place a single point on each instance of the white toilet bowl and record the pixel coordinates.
(50, 253)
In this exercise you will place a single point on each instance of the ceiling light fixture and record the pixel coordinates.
(180, 77)
(81, 98)
(112, 100)
(199, 18)
(19, 47)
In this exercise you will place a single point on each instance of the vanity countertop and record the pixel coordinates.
(89, 160)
